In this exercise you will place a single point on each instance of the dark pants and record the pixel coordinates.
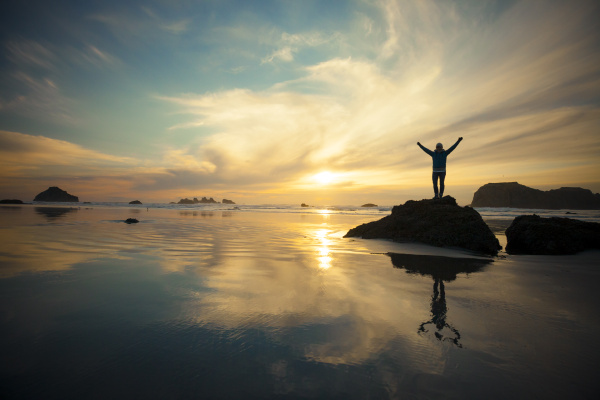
(435, 176)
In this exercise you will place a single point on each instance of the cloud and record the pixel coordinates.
(39, 98)
(23, 155)
(287, 45)
(34, 79)
(31, 53)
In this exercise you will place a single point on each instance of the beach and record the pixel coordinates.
(206, 302)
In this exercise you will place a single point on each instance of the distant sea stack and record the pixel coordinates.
(226, 201)
(135, 202)
(515, 195)
(203, 200)
(55, 194)
(439, 223)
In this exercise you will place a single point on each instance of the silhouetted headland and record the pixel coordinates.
(56, 194)
(135, 202)
(439, 222)
(515, 195)
(532, 234)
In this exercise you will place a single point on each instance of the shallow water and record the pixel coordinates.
(226, 304)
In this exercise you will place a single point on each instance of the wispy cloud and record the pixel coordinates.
(40, 98)
(31, 53)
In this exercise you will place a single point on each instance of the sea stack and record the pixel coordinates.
(55, 194)
(439, 223)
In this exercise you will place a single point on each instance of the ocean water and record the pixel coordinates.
(212, 301)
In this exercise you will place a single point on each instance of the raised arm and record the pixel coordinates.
(454, 146)
(425, 149)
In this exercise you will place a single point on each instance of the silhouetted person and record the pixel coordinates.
(439, 165)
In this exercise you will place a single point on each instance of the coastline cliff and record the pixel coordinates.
(515, 195)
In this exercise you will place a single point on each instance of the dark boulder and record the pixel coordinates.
(226, 201)
(56, 194)
(135, 202)
(131, 221)
(11, 201)
(515, 195)
(439, 223)
(532, 234)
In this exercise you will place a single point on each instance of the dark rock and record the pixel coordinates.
(515, 195)
(204, 200)
(131, 221)
(135, 202)
(532, 234)
(11, 201)
(55, 194)
(436, 222)
(369, 205)
(304, 205)
(225, 201)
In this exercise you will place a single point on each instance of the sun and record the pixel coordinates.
(324, 178)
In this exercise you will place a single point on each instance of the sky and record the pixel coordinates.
(281, 101)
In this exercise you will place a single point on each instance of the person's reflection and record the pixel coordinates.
(438, 315)
(440, 269)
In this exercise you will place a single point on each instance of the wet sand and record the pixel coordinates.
(261, 305)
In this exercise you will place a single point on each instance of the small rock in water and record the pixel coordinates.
(131, 221)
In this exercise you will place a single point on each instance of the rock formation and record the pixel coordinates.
(204, 200)
(369, 205)
(515, 195)
(436, 222)
(131, 221)
(135, 202)
(532, 234)
(11, 201)
(55, 194)
(225, 201)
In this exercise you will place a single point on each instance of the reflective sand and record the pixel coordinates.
(257, 305)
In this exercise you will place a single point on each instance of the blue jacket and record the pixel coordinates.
(439, 157)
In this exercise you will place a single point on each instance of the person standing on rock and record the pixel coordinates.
(439, 165)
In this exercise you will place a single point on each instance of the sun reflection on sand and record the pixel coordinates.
(324, 250)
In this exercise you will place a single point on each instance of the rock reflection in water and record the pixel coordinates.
(53, 213)
(440, 269)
